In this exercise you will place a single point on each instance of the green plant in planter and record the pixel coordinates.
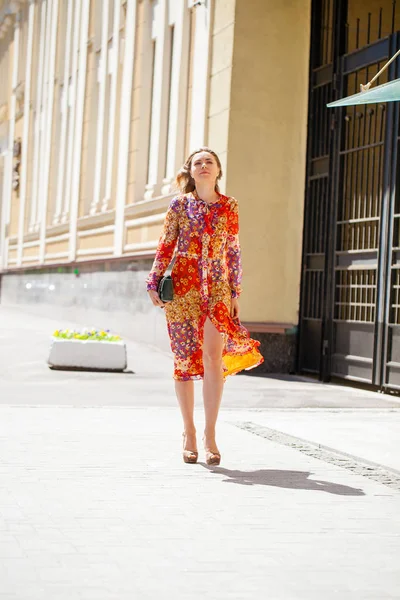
(87, 334)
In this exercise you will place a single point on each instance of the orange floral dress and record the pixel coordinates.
(206, 274)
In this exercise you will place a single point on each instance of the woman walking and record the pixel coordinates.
(207, 339)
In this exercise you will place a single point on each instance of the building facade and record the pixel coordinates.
(101, 101)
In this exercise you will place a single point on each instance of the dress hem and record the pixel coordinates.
(228, 373)
(189, 378)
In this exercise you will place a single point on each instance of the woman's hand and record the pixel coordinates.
(235, 310)
(155, 298)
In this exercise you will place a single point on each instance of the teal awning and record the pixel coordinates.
(388, 92)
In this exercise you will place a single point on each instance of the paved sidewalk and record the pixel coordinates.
(96, 503)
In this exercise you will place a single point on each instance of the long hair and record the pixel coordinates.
(185, 181)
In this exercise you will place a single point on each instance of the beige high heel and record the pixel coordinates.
(189, 456)
(212, 458)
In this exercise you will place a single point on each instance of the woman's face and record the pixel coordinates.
(204, 168)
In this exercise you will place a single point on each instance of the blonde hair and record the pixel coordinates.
(185, 181)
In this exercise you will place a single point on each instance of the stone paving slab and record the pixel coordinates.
(96, 503)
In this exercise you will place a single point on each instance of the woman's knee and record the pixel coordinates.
(212, 347)
(212, 359)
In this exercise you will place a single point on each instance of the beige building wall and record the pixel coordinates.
(95, 241)
(56, 248)
(267, 151)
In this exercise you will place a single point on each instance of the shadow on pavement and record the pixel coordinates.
(296, 480)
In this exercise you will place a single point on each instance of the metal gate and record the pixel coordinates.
(350, 301)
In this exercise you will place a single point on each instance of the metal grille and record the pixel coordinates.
(362, 168)
(321, 121)
(317, 194)
(312, 308)
(350, 306)
(396, 215)
(315, 245)
(317, 199)
(359, 206)
(355, 295)
(324, 41)
(390, 376)
(394, 318)
(364, 28)
(315, 238)
(362, 163)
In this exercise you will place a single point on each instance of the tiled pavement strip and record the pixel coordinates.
(357, 465)
(96, 503)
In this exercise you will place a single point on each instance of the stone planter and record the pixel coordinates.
(87, 355)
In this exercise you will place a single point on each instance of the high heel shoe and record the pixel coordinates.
(212, 458)
(189, 456)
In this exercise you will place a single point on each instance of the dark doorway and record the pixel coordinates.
(350, 301)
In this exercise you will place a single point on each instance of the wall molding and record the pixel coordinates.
(26, 259)
(31, 244)
(97, 231)
(125, 258)
(55, 255)
(140, 221)
(149, 207)
(143, 246)
(57, 238)
(95, 251)
(102, 219)
(268, 327)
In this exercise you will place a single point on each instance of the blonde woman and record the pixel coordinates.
(207, 339)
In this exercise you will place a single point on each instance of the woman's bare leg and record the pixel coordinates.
(185, 394)
(213, 383)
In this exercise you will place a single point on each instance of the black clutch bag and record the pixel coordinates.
(166, 289)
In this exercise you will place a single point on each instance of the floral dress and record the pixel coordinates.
(206, 274)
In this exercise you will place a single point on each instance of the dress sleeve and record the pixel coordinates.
(166, 245)
(233, 255)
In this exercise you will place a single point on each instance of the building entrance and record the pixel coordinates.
(350, 301)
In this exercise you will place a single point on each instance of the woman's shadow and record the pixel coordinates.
(295, 480)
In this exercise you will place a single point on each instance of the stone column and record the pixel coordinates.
(102, 79)
(178, 93)
(77, 134)
(25, 136)
(114, 63)
(140, 142)
(160, 99)
(124, 125)
(38, 119)
(200, 75)
(8, 175)
(64, 117)
(48, 129)
(71, 92)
